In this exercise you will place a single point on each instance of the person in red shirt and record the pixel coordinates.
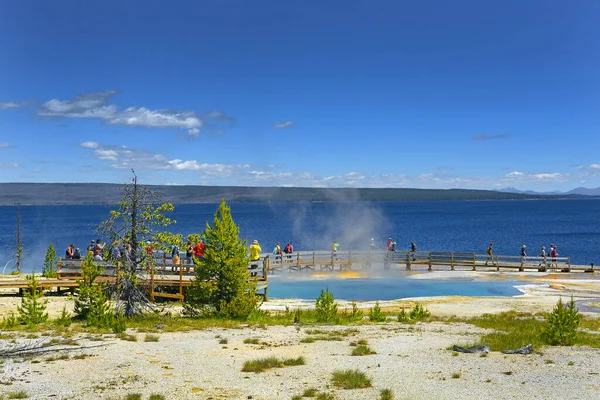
(199, 249)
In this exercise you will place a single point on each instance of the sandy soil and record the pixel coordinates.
(411, 360)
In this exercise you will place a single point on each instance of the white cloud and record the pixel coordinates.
(514, 174)
(97, 106)
(283, 124)
(109, 155)
(89, 145)
(595, 166)
(4, 145)
(549, 176)
(7, 105)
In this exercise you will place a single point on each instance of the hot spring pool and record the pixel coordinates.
(386, 288)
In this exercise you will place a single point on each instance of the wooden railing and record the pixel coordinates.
(343, 260)
(159, 278)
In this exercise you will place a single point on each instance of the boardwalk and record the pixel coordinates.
(170, 281)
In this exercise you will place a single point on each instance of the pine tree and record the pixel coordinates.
(222, 276)
(562, 324)
(32, 310)
(49, 270)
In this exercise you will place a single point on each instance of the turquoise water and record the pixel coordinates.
(386, 288)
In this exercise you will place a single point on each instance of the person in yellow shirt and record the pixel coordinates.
(254, 256)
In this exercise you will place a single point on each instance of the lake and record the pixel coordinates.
(461, 226)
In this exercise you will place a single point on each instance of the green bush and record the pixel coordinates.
(91, 305)
(376, 315)
(403, 316)
(49, 269)
(9, 321)
(355, 315)
(419, 312)
(32, 310)
(326, 307)
(65, 318)
(561, 324)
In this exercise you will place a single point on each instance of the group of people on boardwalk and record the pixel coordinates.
(543, 254)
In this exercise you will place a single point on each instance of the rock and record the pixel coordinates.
(528, 349)
(473, 349)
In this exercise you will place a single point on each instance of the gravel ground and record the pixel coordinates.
(411, 360)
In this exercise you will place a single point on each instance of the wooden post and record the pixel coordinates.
(332, 261)
(314, 263)
(298, 261)
(430, 263)
(181, 282)
(497, 264)
(408, 262)
(266, 279)
(474, 262)
(152, 285)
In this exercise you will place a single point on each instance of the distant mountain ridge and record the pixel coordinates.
(109, 193)
(580, 191)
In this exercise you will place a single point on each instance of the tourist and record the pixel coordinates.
(175, 260)
(254, 256)
(413, 250)
(553, 254)
(98, 255)
(91, 249)
(189, 252)
(116, 252)
(334, 248)
(277, 249)
(523, 252)
(77, 254)
(490, 254)
(389, 244)
(99, 245)
(149, 255)
(174, 250)
(289, 249)
(199, 250)
(372, 245)
(126, 251)
(69, 251)
(543, 255)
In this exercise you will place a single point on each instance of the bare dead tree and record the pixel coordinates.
(131, 225)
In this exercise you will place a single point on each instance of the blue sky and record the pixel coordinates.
(430, 94)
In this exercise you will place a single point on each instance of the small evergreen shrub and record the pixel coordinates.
(32, 310)
(376, 315)
(9, 321)
(561, 324)
(65, 318)
(326, 307)
(419, 312)
(49, 269)
(403, 316)
(356, 314)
